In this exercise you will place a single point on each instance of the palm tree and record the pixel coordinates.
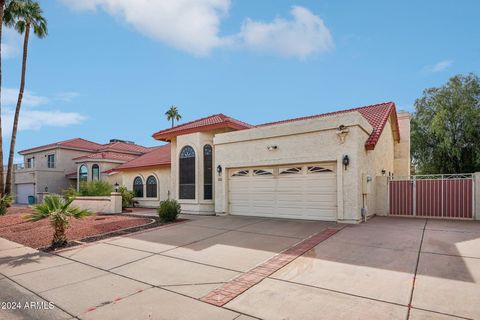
(3, 3)
(172, 114)
(22, 15)
(59, 211)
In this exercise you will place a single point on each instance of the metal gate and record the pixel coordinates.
(437, 196)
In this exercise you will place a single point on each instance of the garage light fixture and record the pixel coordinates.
(271, 148)
(346, 161)
(219, 170)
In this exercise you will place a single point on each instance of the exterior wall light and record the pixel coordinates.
(46, 188)
(271, 148)
(346, 161)
(383, 172)
(116, 186)
(219, 170)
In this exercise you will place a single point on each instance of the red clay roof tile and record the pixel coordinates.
(76, 143)
(117, 156)
(377, 115)
(215, 121)
(158, 156)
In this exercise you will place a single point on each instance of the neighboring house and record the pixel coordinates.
(322, 167)
(58, 166)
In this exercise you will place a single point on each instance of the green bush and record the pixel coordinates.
(95, 188)
(169, 210)
(127, 197)
(5, 203)
(70, 193)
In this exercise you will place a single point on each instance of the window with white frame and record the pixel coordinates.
(51, 161)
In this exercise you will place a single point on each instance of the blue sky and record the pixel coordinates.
(111, 68)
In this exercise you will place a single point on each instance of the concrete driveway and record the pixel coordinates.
(260, 268)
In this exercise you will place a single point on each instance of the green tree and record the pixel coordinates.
(59, 211)
(3, 4)
(172, 114)
(23, 15)
(446, 128)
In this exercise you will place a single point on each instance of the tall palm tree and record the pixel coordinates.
(172, 114)
(3, 3)
(23, 15)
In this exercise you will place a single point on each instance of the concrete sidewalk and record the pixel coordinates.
(365, 271)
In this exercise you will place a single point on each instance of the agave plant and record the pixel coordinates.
(59, 211)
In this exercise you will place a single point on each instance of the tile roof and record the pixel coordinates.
(124, 147)
(215, 121)
(158, 156)
(377, 115)
(76, 143)
(108, 155)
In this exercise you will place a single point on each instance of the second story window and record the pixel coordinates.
(51, 161)
(30, 163)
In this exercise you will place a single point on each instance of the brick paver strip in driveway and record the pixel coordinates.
(240, 284)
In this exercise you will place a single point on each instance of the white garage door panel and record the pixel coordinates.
(23, 191)
(301, 195)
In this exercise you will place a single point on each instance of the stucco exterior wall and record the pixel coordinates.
(402, 149)
(112, 204)
(307, 141)
(476, 189)
(197, 141)
(42, 176)
(125, 178)
(373, 162)
(104, 165)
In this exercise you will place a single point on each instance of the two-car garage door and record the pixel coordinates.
(296, 191)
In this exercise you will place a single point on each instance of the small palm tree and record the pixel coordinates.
(23, 15)
(172, 114)
(59, 211)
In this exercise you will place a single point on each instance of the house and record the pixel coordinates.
(57, 166)
(321, 167)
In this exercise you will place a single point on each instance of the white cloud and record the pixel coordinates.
(194, 26)
(35, 119)
(301, 37)
(189, 25)
(67, 96)
(439, 67)
(11, 43)
(32, 117)
(30, 99)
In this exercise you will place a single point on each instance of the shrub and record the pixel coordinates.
(70, 193)
(127, 197)
(59, 211)
(5, 203)
(95, 188)
(169, 210)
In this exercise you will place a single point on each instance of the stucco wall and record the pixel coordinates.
(373, 162)
(476, 177)
(112, 204)
(402, 149)
(197, 141)
(308, 141)
(162, 175)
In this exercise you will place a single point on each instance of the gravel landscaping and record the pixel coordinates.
(39, 234)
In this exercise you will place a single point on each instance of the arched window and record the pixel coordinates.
(138, 187)
(83, 173)
(151, 187)
(187, 173)
(95, 172)
(207, 172)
